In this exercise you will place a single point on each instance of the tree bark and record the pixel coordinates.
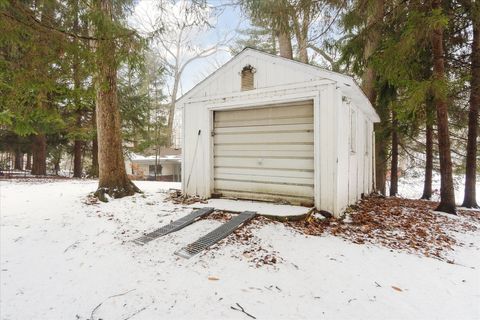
(77, 144)
(368, 86)
(171, 109)
(28, 166)
(301, 34)
(394, 162)
(56, 164)
(94, 170)
(380, 162)
(427, 184)
(447, 195)
(39, 152)
(18, 165)
(469, 200)
(113, 178)
(285, 45)
(77, 158)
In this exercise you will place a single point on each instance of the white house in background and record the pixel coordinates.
(143, 167)
(264, 127)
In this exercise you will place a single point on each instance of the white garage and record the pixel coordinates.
(267, 128)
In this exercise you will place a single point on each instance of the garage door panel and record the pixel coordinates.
(302, 110)
(306, 127)
(256, 138)
(287, 120)
(271, 188)
(295, 173)
(265, 153)
(268, 163)
(264, 178)
(267, 197)
(306, 147)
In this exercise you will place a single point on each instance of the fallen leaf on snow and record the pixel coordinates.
(397, 288)
(213, 278)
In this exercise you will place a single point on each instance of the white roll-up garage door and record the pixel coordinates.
(265, 153)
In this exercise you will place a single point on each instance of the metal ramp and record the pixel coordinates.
(216, 235)
(174, 226)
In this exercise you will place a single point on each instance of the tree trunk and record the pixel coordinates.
(18, 165)
(171, 110)
(39, 152)
(302, 51)
(77, 144)
(301, 34)
(56, 165)
(285, 45)
(427, 184)
(94, 168)
(380, 162)
(469, 199)
(29, 161)
(447, 195)
(77, 158)
(273, 40)
(394, 163)
(113, 178)
(94, 171)
(368, 86)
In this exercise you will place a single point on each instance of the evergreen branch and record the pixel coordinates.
(35, 21)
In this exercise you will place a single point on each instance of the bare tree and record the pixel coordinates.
(175, 30)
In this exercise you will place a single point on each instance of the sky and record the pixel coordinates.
(229, 20)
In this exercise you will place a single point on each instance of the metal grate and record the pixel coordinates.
(174, 226)
(216, 235)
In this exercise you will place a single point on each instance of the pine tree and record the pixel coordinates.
(447, 195)
(113, 178)
(469, 200)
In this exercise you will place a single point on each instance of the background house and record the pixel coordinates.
(268, 128)
(143, 167)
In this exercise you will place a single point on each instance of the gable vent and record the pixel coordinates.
(247, 78)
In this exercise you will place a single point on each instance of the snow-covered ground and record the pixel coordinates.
(62, 258)
(411, 185)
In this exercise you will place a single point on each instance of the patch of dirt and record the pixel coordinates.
(396, 223)
(91, 199)
(218, 216)
(176, 197)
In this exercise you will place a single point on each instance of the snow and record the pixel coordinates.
(61, 258)
(262, 208)
(139, 157)
(411, 185)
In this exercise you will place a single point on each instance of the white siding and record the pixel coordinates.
(196, 134)
(327, 147)
(231, 155)
(268, 74)
(352, 158)
(360, 154)
(343, 156)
